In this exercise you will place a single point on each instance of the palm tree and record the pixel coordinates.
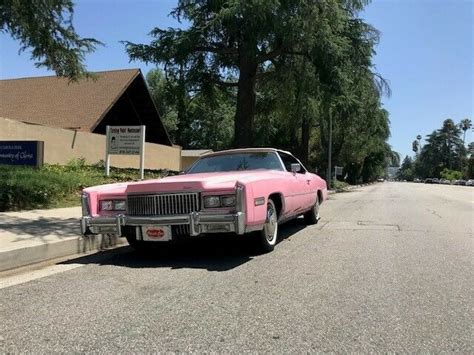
(465, 124)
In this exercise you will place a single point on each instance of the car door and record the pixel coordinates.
(298, 194)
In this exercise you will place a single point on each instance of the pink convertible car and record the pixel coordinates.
(235, 191)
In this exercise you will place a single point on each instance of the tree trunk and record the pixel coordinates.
(246, 96)
(305, 133)
(449, 151)
(182, 124)
(303, 117)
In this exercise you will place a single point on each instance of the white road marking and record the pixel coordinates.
(13, 280)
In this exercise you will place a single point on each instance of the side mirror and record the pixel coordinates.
(295, 167)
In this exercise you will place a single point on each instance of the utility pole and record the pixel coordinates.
(330, 150)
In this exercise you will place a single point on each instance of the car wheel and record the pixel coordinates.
(268, 235)
(312, 216)
(138, 245)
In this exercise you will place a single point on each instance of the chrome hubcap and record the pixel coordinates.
(316, 208)
(271, 223)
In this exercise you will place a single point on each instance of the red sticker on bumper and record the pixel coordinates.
(155, 233)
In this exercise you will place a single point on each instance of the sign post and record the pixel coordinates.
(337, 171)
(107, 156)
(125, 140)
(142, 153)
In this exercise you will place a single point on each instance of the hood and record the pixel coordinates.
(189, 182)
(202, 181)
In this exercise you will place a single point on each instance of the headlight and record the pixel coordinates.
(219, 201)
(85, 204)
(212, 202)
(119, 205)
(106, 205)
(112, 205)
(228, 201)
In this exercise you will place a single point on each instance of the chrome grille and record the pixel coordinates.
(181, 230)
(162, 204)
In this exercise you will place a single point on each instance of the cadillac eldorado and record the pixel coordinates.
(241, 191)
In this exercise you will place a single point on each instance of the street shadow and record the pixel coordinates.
(219, 252)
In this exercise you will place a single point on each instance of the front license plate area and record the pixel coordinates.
(153, 233)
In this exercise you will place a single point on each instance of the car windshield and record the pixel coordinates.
(236, 162)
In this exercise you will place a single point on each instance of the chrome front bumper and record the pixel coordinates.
(198, 223)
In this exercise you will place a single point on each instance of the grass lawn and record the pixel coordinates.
(54, 186)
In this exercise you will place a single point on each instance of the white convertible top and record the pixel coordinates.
(245, 150)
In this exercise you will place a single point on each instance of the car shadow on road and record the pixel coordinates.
(213, 252)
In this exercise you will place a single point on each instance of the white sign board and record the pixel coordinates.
(338, 170)
(125, 140)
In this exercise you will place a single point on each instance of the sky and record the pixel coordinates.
(426, 52)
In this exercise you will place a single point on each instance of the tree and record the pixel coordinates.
(406, 171)
(193, 120)
(245, 41)
(211, 122)
(444, 149)
(46, 27)
(465, 124)
(470, 167)
(295, 67)
(393, 158)
(470, 147)
(451, 174)
(161, 91)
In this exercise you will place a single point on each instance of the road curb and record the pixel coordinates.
(349, 188)
(16, 258)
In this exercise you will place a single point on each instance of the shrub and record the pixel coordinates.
(451, 174)
(56, 185)
(339, 185)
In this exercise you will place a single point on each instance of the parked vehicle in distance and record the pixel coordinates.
(428, 181)
(470, 182)
(459, 182)
(444, 181)
(435, 181)
(416, 180)
(238, 191)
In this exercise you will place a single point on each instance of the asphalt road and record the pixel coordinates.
(388, 268)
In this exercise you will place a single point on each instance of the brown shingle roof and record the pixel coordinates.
(56, 102)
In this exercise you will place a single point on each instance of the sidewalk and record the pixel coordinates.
(29, 237)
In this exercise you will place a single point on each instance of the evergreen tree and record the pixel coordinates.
(245, 40)
(46, 27)
(444, 149)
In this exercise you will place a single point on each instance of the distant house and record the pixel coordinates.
(116, 98)
(189, 156)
